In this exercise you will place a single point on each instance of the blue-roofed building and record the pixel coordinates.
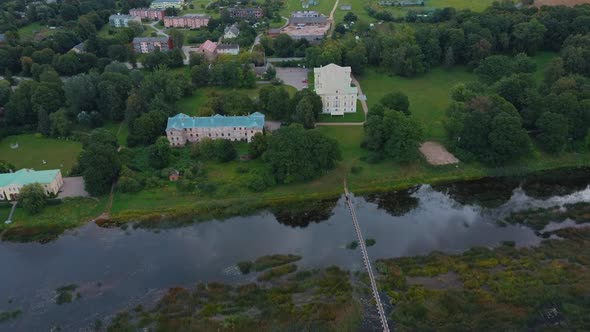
(11, 183)
(182, 129)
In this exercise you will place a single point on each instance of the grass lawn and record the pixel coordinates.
(120, 130)
(428, 94)
(358, 7)
(543, 61)
(358, 116)
(51, 221)
(33, 149)
(29, 30)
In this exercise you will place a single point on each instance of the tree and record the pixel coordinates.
(350, 17)
(6, 167)
(224, 150)
(44, 125)
(295, 154)
(200, 74)
(60, 125)
(32, 198)
(147, 128)
(177, 38)
(397, 101)
(554, 132)
(494, 67)
(258, 145)
(304, 114)
(160, 153)
(508, 140)
(403, 137)
(100, 161)
(528, 36)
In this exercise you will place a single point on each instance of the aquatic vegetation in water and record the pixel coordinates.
(537, 219)
(352, 245)
(504, 289)
(319, 300)
(370, 242)
(266, 262)
(277, 272)
(65, 294)
(245, 267)
(8, 315)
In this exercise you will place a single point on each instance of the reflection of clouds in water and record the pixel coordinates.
(521, 201)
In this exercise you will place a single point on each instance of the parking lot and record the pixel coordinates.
(295, 77)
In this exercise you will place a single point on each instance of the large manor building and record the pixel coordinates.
(11, 183)
(183, 129)
(333, 84)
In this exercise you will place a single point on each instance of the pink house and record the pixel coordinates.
(208, 49)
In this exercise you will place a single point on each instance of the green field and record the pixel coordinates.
(358, 7)
(34, 149)
(29, 30)
(428, 94)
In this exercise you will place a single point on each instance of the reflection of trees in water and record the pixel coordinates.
(489, 192)
(556, 183)
(301, 215)
(396, 203)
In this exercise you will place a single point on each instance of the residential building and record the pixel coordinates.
(233, 49)
(120, 21)
(183, 129)
(231, 31)
(307, 18)
(191, 21)
(208, 49)
(149, 44)
(11, 183)
(250, 12)
(153, 14)
(163, 4)
(333, 84)
(79, 48)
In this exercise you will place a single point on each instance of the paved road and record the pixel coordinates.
(256, 42)
(158, 30)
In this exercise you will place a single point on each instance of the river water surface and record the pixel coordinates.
(119, 268)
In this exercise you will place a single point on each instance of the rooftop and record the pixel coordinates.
(26, 176)
(208, 46)
(167, 1)
(150, 39)
(181, 121)
(228, 46)
(125, 17)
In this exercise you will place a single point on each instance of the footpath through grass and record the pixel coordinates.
(33, 149)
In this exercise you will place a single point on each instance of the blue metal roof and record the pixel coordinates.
(181, 121)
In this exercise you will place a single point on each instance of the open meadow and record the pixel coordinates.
(33, 149)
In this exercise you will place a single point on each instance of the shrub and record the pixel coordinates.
(356, 169)
(352, 245)
(370, 242)
(245, 266)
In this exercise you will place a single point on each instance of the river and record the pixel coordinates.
(119, 268)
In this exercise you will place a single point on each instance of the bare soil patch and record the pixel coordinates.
(436, 154)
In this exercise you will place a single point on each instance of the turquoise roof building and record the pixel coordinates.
(182, 129)
(181, 121)
(10, 183)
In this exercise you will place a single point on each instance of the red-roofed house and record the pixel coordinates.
(208, 49)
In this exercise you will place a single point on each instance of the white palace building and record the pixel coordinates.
(333, 84)
(182, 129)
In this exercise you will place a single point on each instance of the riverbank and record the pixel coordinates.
(152, 208)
